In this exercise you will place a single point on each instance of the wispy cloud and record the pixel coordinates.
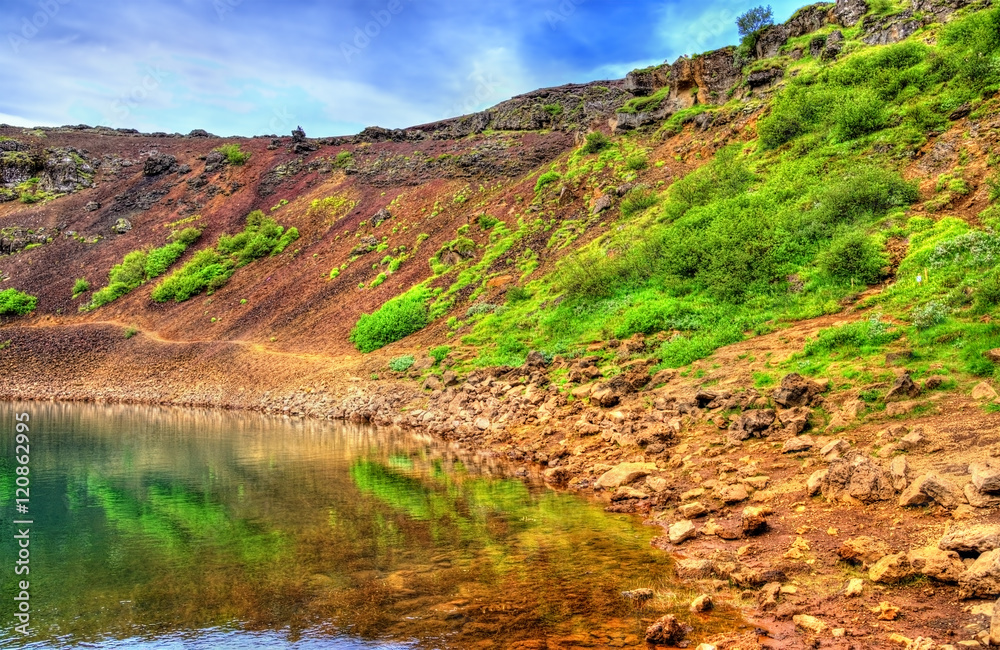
(249, 67)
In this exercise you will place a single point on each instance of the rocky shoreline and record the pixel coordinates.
(829, 524)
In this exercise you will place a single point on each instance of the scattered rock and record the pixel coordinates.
(797, 444)
(692, 510)
(91, 206)
(702, 603)
(895, 409)
(754, 520)
(857, 477)
(979, 499)
(979, 538)
(864, 550)
(945, 566)
(638, 595)
(752, 423)
(694, 569)
(681, 531)
(984, 391)
(903, 388)
(795, 390)
(809, 623)
(995, 625)
(931, 487)
(891, 568)
(847, 13)
(601, 204)
(833, 449)
(899, 469)
(732, 493)
(122, 226)
(982, 578)
(855, 587)
(624, 473)
(814, 484)
(158, 163)
(985, 478)
(666, 631)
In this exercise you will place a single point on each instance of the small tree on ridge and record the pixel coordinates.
(754, 20)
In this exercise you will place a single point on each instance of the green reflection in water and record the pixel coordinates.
(152, 521)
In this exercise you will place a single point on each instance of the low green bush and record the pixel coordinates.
(82, 285)
(396, 319)
(855, 256)
(402, 364)
(546, 179)
(16, 302)
(233, 153)
(595, 142)
(207, 270)
(858, 337)
(439, 353)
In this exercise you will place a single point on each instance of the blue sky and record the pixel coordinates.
(254, 67)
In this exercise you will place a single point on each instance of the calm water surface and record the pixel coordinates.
(171, 528)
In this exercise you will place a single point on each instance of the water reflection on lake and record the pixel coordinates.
(173, 528)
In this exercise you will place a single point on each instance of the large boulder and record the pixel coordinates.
(666, 631)
(891, 568)
(158, 163)
(931, 488)
(885, 30)
(903, 388)
(978, 538)
(935, 563)
(986, 477)
(982, 579)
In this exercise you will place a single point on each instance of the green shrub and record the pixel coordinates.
(517, 294)
(81, 285)
(129, 332)
(439, 353)
(866, 192)
(343, 159)
(637, 201)
(555, 110)
(233, 153)
(595, 142)
(402, 364)
(396, 319)
(932, 314)
(16, 302)
(855, 256)
(636, 162)
(207, 271)
(546, 179)
(159, 259)
(865, 113)
(487, 221)
(857, 337)
(987, 295)
(186, 237)
(754, 20)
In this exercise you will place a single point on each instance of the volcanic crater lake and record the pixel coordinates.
(177, 528)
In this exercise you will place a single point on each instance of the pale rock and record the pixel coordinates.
(656, 483)
(979, 499)
(706, 646)
(797, 444)
(692, 494)
(692, 510)
(624, 473)
(912, 440)
(757, 482)
(895, 409)
(984, 391)
(855, 587)
(694, 569)
(944, 566)
(702, 603)
(852, 409)
(681, 531)
(891, 568)
(732, 493)
(582, 391)
(978, 538)
(814, 484)
(837, 422)
(931, 487)
(985, 478)
(982, 578)
(482, 423)
(834, 449)
(863, 550)
(899, 469)
(809, 623)
(838, 632)
(754, 520)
